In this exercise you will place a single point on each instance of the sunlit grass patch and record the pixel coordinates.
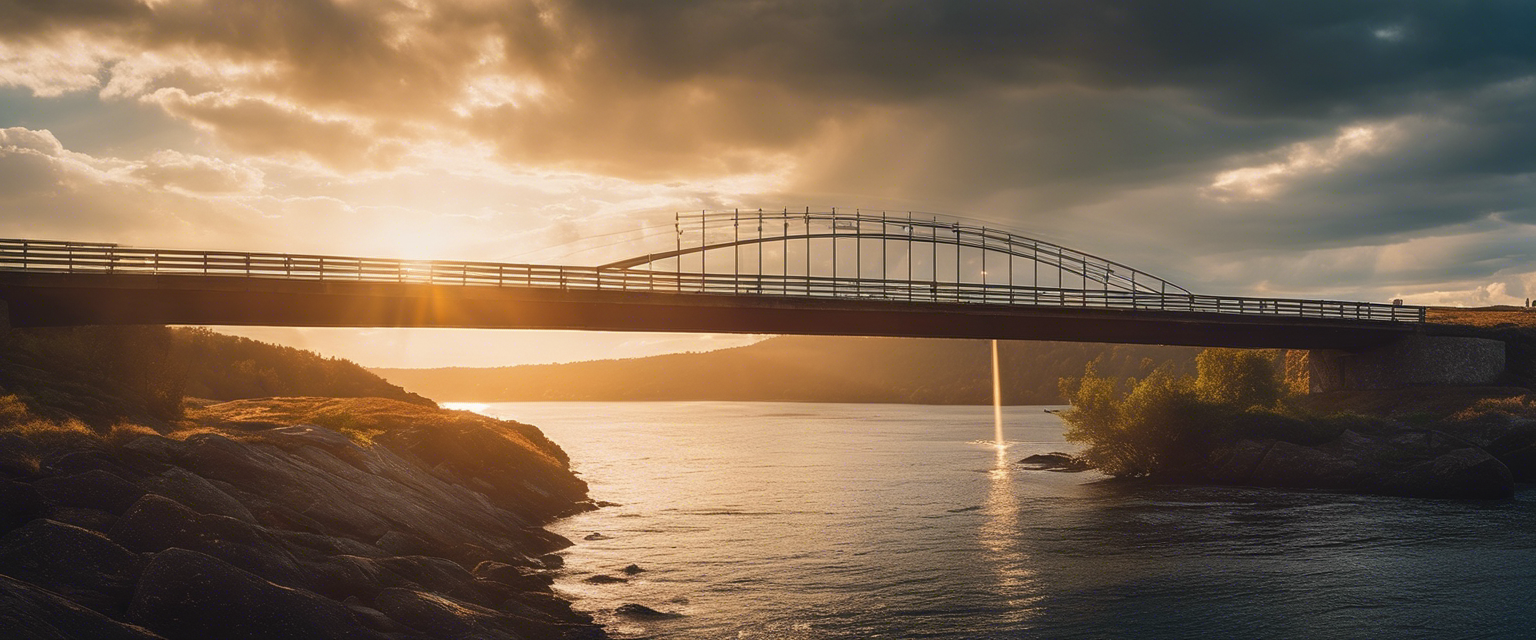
(1521, 406)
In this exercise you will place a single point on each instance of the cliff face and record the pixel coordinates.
(253, 520)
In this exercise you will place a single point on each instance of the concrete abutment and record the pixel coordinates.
(1414, 361)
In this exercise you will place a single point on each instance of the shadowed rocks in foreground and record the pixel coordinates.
(1425, 464)
(1055, 461)
(396, 521)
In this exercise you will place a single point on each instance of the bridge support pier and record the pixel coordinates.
(1410, 362)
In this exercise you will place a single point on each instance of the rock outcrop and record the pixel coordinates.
(404, 522)
(1055, 461)
(1411, 463)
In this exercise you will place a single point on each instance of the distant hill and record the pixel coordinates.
(142, 374)
(804, 369)
(222, 367)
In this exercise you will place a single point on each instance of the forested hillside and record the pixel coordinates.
(106, 374)
(806, 369)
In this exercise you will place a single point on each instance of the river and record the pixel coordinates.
(783, 520)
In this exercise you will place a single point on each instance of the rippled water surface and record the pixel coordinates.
(764, 520)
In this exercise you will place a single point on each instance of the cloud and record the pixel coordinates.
(52, 71)
(263, 127)
(170, 169)
(670, 90)
(1300, 160)
(49, 192)
(1183, 137)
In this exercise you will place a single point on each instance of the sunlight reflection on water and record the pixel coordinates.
(768, 520)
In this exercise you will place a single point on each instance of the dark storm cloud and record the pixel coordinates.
(1207, 127)
(1050, 105)
(1271, 57)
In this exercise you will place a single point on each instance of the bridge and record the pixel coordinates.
(779, 272)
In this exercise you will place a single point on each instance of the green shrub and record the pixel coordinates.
(1154, 424)
(1165, 424)
(1240, 378)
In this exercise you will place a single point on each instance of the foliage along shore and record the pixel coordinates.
(130, 511)
(1235, 423)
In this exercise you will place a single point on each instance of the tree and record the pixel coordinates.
(1165, 423)
(1154, 425)
(1242, 378)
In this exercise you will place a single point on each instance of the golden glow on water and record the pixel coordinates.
(1000, 533)
(997, 411)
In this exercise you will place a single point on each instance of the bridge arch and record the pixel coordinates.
(699, 234)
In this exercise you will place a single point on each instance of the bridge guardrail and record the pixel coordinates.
(40, 256)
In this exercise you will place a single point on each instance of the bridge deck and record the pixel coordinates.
(67, 284)
(65, 299)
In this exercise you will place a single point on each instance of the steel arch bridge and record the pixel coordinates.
(805, 272)
(702, 233)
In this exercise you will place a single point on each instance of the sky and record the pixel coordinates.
(1355, 150)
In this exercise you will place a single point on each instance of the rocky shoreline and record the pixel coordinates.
(392, 521)
(1425, 464)
(1479, 447)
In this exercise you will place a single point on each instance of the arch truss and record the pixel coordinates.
(883, 250)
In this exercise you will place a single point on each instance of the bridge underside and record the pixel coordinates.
(63, 299)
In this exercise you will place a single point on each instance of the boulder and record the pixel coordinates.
(1521, 463)
(93, 519)
(19, 504)
(81, 565)
(469, 554)
(1236, 463)
(545, 603)
(198, 494)
(643, 612)
(95, 489)
(396, 543)
(443, 617)
(277, 516)
(632, 569)
(328, 545)
(1293, 465)
(156, 523)
(519, 578)
(36, 614)
(552, 561)
(188, 595)
(363, 493)
(344, 576)
(158, 448)
(437, 575)
(372, 617)
(1415, 463)
(1055, 461)
(125, 463)
(604, 579)
(1463, 473)
(19, 457)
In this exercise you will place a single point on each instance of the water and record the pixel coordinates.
(768, 520)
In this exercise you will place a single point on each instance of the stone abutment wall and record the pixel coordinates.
(1411, 362)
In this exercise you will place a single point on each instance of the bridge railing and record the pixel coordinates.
(85, 258)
